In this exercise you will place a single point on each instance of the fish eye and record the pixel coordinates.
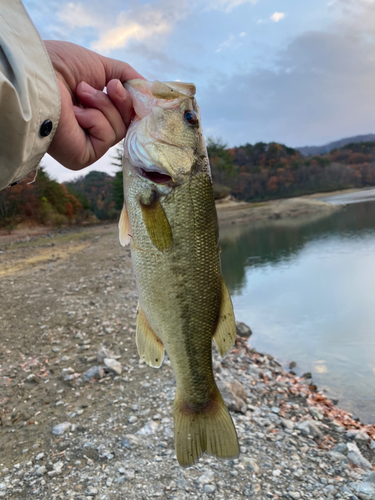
(191, 117)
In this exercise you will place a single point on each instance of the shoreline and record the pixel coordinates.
(72, 427)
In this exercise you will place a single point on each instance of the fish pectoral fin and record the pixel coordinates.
(225, 334)
(124, 227)
(150, 347)
(157, 225)
(209, 430)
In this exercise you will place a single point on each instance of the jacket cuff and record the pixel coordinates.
(29, 95)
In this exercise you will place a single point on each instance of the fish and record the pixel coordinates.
(169, 219)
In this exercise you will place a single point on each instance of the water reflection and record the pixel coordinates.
(280, 242)
(308, 293)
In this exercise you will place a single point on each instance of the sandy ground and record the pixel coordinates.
(66, 295)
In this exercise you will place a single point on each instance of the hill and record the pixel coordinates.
(327, 148)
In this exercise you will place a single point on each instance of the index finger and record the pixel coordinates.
(119, 70)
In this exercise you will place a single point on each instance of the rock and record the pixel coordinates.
(287, 424)
(369, 477)
(362, 436)
(316, 412)
(357, 460)
(365, 491)
(292, 365)
(252, 464)
(129, 474)
(308, 427)
(32, 378)
(40, 456)
(133, 419)
(340, 448)
(242, 330)
(41, 470)
(372, 445)
(93, 372)
(105, 353)
(237, 389)
(150, 428)
(209, 488)
(336, 456)
(233, 402)
(61, 428)
(113, 366)
(207, 477)
(92, 491)
(295, 495)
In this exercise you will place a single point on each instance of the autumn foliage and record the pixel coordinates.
(264, 171)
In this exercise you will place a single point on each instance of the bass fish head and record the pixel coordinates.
(164, 143)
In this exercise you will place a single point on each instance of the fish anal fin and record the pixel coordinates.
(150, 347)
(124, 227)
(209, 430)
(225, 333)
(157, 225)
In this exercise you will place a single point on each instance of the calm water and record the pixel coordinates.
(308, 293)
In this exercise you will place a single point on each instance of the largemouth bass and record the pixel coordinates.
(169, 219)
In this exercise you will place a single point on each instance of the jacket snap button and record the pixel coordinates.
(45, 128)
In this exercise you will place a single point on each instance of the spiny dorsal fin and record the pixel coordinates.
(150, 347)
(225, 334)
(124, 227)
(157, 225)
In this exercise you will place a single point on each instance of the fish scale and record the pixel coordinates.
(183, 301)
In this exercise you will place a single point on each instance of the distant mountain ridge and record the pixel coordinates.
(327, 148)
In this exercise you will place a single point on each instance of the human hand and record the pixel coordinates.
(91, 121)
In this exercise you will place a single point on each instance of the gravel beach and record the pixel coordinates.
(82, 418)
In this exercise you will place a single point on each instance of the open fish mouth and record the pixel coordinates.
(154, 176)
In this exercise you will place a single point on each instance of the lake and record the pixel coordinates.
(307, 290)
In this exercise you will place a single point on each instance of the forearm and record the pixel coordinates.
(29, 95)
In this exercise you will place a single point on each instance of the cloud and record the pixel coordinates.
(277, 16)
(321, 87)
(76, 15)
(227, 5)
(231, 43)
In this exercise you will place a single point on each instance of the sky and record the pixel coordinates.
(291, 71)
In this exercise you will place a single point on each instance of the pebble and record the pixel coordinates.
(61, 428)
(133, 419)
(113, 366)
(93, 372)
(243, 330)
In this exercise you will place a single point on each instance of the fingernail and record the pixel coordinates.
(87, 89)
(120, 91)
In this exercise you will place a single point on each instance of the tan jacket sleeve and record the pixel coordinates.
(29, 95)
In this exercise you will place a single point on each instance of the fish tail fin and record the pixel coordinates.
(209, 430)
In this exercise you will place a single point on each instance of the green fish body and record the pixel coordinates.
(170, 220)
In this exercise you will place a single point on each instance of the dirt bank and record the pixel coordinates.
(74, 426)
(284, 211)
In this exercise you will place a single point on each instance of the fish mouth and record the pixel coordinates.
(155, 176)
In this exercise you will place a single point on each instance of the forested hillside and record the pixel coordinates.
(251, 172)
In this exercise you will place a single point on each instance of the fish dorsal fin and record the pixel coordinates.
(225, 334)
(150, 347)
(124, 227)
(157, 225)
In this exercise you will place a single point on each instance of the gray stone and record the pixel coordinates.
(61, 428)
(340, 448)
(308, 427)
(93, 372)
(358, 460)
(362, 436)
(369, 477)
(40, 456)
(41, 470)
(372, 445)
(113, 366)
(336, 456)
(365, 491)
(242, 330)
(207, 477)
(209, 488)
(316, 412)
(133, 419)
(92, 491)
(105, 353)
(295, 495)
(288, 424)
